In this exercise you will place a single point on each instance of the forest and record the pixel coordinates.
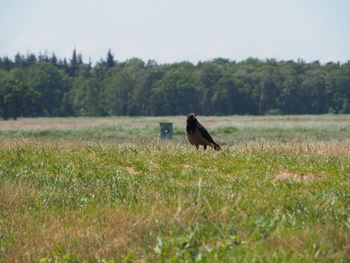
(45, 85)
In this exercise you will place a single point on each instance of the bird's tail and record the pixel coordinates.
(216, 147)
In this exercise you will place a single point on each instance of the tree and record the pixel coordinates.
(230, 96)
(75, 61)
(51, 85)
(209, 74)
(30, 59)
(110, 63)
(53, 59)
(174, 94)
(85, 96)
(16, 99)
(19, 60)
(7, 64)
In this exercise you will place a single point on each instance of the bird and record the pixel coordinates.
(198, 135)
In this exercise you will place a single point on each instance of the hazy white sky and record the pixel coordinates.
(177, 30)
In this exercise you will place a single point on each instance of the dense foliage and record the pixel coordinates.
(44, 85)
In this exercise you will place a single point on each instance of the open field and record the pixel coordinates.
(228, 130)
(99, 189)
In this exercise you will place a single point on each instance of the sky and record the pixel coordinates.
(169, 31)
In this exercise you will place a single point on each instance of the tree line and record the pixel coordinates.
(44, 85)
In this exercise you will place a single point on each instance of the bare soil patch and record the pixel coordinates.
(299, 177)
(131, 170)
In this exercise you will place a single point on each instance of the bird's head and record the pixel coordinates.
(191, 117)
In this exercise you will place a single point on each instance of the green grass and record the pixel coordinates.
(99, 198)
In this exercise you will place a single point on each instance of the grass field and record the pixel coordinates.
(108, 190)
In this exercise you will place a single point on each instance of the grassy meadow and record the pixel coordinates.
(108, 190)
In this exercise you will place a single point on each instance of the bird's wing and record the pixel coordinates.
(205, 133)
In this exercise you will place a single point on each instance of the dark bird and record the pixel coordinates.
(198, 135)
